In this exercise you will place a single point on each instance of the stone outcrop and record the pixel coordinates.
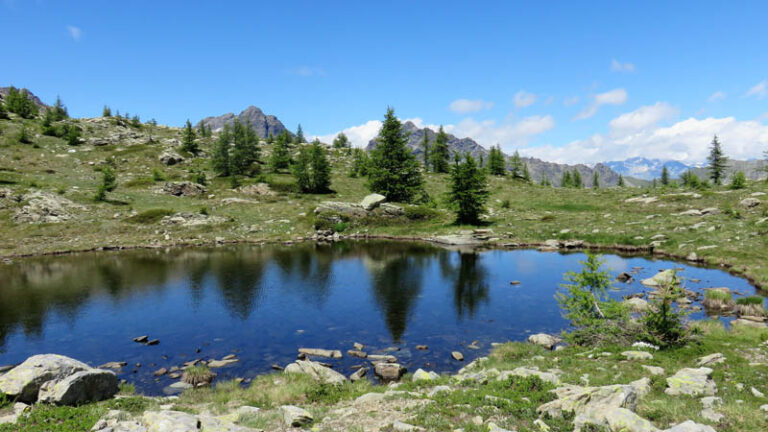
(45, 207)
(691, 382)
(545, 340)
(372, 201)
(316, 371)
(57, 379)
(184, 189)
(170, 158)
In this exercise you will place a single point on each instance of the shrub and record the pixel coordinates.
(24, 137)
(108, 183)
(150, 216)
(663, 321)
(739, 181)
(420, 212)
(198, 375)
(73, 135)
(584, 299)
(340, 227)
(157, 175)
(505, 204)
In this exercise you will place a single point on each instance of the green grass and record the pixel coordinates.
(751, 300)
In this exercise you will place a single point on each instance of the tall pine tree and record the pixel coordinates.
(566, 180)
(441, 154)
(280, 158)
(312, 169)
(220, 160)
(189, 140)
(394, 172)
(469, 190)
(576, 179)
(425, 149)
(245, 148)
(595, 180)
(496, 163)
(665, 176)
(620, 183)
(299, 138)
(516, 165)
(718, 162)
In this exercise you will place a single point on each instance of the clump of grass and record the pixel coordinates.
(751, 306)
(158, 175)
(505, 204)
(198, 375)
(717, 300)
(150, 216)
(420, 212)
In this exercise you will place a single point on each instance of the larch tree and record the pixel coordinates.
(718, 162)
(189, 140)
(393, 171)
(665, 176)
(496, 163)
(280, 159)
(468, 191)
(441, 154)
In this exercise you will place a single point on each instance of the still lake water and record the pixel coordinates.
(264, 302)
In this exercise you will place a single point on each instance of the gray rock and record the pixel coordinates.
(457, 356)
(545, 340)
(170, 158)
(493, 427)
(438, 389)
(614, 419)
(636, 304)
(637, 355)
(316, 371)
(654, 370)
(24, 381)
(359, 374)
(692, 382)
(405, 427)
(318, 352)
(690, 426)
(169, 421)
(711, 359)
(533, 371)
(84, 386)
(13, 415)
(580, 399)
(389, 371)
(750, 202)
(264, 125)
(422, 375)
(294, 416)
(372, 201)
(660, 279)
(184, 189)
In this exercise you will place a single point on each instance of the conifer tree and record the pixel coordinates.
(516, 166)
(106, 111)
(341, 141)
(312, 169)
(566, 181)
(595, 180)
(245, 148)
(188, 140)
(496, 163)
(59, 111)
(665, 176)
(108, 183)
(73, 135)
(576, 179)
(545, 181)
(299, 136)
(425, 149)
(441, 154)
(718, 162)
(201, 130)
(19, 102)
(220, 160)
(280, 158)
(526, 173)
(360, 163)
(394, 172)
(620, 183)
(739, 181)
(469, 190)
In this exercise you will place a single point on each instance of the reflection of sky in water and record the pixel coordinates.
(262, 303)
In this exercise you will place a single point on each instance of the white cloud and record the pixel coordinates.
(306, 71)
(643, 117)
(573, 100)
(717, 96)
(358, 135)
(463, 106)
(510, 134)
(75, 32)
(613, 97)
(524, 99)
(618, 66)
(759, 90)
(687, 140)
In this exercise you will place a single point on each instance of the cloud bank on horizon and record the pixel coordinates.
(653, 131)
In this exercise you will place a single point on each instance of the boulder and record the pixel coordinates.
(391, 210)
(84, 386)
(170, 158)
(691, 426)
(545, 340)
(316, 371)
(389, 371)
(294, 416)
(318, 352)
(692, 382)
(624, 277)
(385, 358)
(336, 208)
(614, 419)
(422, 375)
(372, 201)
(457, 356)
(654, 370)
(636, 304)
(359, 374)
(532, 371)
(749, 202)
(169, 421)
(24, 381)
(662, 278)
(184, 189)
(711, 359)
(580, 399)
(45, 207)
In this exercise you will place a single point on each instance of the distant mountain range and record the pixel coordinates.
(649, 169)
(455, 144)
(263, 124)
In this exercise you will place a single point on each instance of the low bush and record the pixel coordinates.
(150, 216)
(420, 212)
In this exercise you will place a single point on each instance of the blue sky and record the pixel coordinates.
(557, 80)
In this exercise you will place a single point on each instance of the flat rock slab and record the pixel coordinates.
(691, 382)
(319, 352)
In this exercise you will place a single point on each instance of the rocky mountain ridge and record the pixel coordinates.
(263, 124)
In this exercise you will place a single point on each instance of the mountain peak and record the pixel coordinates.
(263, 124)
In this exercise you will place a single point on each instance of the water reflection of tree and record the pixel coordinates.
(239, 276)
(397, 281)
(470, 288)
